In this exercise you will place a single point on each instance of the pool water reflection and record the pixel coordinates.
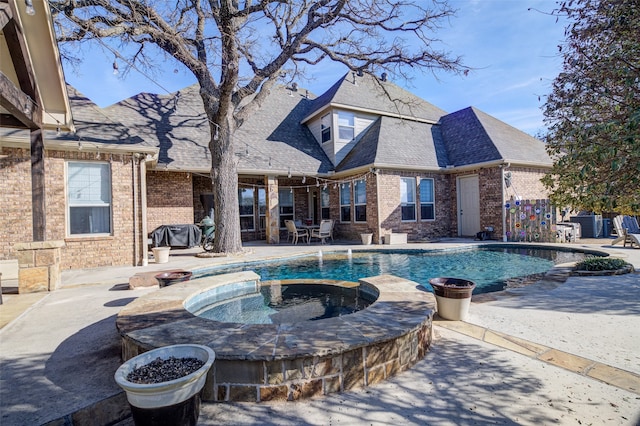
(491, 268)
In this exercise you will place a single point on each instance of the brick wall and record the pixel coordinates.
(391, 215)
(89, 251)
(15, 200)
(491, 200)
(525, 183)
(78, 252)
(170, 199)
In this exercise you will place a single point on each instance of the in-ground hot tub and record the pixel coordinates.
(286, 360)
(285, 301)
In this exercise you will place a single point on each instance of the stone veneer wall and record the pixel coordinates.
(78, 252)
(262, 362)
(291, 380)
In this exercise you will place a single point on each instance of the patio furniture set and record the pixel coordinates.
(297, 230)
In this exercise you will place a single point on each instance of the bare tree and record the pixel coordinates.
(237, 51)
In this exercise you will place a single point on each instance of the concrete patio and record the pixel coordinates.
(543, 354)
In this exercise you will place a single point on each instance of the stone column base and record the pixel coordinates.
(38, 266)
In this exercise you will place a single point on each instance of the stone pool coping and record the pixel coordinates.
(258, 362)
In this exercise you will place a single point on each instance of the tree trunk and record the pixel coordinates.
(224, 178)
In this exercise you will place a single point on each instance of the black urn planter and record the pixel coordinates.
(172, 277)
(174, 402)
(453, 297)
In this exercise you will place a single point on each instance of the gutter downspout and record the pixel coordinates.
(143, 207)
(504, 200)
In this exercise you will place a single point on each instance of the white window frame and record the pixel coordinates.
(325, 204)
(346, 122)
(251, 205)
(325, 128)
(283, 194)
(345, 189)
(262, 209)
(360, 200)
(94, 192)
(432, 203)
(407, 197)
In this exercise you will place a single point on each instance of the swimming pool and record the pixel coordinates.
(491, 268)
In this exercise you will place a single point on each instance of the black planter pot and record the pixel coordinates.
(173, 277)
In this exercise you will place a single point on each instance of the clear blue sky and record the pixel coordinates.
(513, 50)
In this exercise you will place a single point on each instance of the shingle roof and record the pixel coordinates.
(392, 142)
(274, 137)
(275, 131)
(93, 125)
(472, 136)
(372, 94)
(177, 124)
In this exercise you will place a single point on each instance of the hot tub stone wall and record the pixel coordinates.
(265, 362)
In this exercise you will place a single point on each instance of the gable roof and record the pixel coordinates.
(471, 136)
(367, 93)
(93, 125)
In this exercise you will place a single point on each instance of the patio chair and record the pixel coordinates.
(323, 232)
(295, 233)
(628, 231)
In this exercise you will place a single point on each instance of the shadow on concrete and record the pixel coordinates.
(615, 295)
(120, 302)
(455, 384)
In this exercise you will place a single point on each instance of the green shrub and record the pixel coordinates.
(601, 264)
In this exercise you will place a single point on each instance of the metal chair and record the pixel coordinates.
(323, 232)
(294, 232)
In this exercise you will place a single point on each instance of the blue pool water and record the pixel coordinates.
(292, 303)
(491, 268)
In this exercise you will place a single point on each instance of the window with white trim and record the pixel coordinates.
(360, 200)
(88, 198)
(325, 127)
(262, 209)
(345, 202)
(285, 201)
(427, 201)
(408, 199)
(246, 199)
(346, 126)
(324, 203)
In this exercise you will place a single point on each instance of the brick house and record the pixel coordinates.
(366, 153)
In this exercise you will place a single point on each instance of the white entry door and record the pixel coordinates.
(468, 206)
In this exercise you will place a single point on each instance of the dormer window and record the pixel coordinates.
(346, 127)
(325, 126)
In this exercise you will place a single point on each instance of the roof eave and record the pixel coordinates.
(332, 105)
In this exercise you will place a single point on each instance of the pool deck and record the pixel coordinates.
(552, 353)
